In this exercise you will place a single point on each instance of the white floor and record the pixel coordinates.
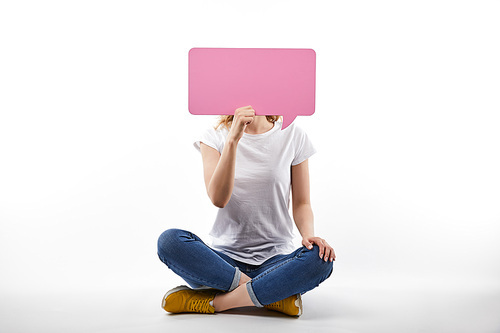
(334, 307)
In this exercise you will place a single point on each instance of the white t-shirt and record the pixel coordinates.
(256, 224)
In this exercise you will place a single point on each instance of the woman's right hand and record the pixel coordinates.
(242, 117)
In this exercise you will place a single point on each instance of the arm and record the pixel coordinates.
(301, 204)
(218, 171)
(302, 211)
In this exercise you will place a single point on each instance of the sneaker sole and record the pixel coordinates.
(298, 303)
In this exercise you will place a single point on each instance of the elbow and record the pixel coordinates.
(219, 198)
(217, 202)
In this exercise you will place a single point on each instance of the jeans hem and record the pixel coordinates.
(252, 295)
(236, 279)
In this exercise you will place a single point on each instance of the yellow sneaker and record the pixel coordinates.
(291, 306)
(185, 299)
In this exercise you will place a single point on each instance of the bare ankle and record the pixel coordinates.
(215, 303)
(233, 299)
(243, 279)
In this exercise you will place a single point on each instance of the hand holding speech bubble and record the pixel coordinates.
(274, 81)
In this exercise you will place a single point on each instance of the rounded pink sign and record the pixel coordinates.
(273, 81)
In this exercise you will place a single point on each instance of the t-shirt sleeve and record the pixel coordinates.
(303, 147)
(211, 138)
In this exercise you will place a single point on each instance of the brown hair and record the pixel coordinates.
(227, 120)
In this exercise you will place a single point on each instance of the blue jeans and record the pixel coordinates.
(277, 278)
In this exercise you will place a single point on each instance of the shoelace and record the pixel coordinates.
(199, 305)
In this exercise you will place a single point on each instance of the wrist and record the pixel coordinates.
(232, 141)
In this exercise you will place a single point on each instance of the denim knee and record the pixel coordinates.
(319, 268)
(168, 240)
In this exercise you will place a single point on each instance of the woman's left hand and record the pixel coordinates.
(324, 248)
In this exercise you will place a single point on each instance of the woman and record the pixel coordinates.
(250, 166)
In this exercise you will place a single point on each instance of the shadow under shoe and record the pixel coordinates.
(291, 306)
(184, 299)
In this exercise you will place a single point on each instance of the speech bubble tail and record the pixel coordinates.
(287, 121)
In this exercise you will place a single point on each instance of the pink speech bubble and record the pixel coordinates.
(273, 81)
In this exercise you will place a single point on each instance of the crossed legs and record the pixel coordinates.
(199, 265)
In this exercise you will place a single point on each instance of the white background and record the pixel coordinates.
(97, 156)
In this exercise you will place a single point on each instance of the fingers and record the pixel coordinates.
(307, 244)
(319, 242)
(331, 253)
(326, 252)
(321, 245)
(246, 120)
(244, 115)
(245, 111)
